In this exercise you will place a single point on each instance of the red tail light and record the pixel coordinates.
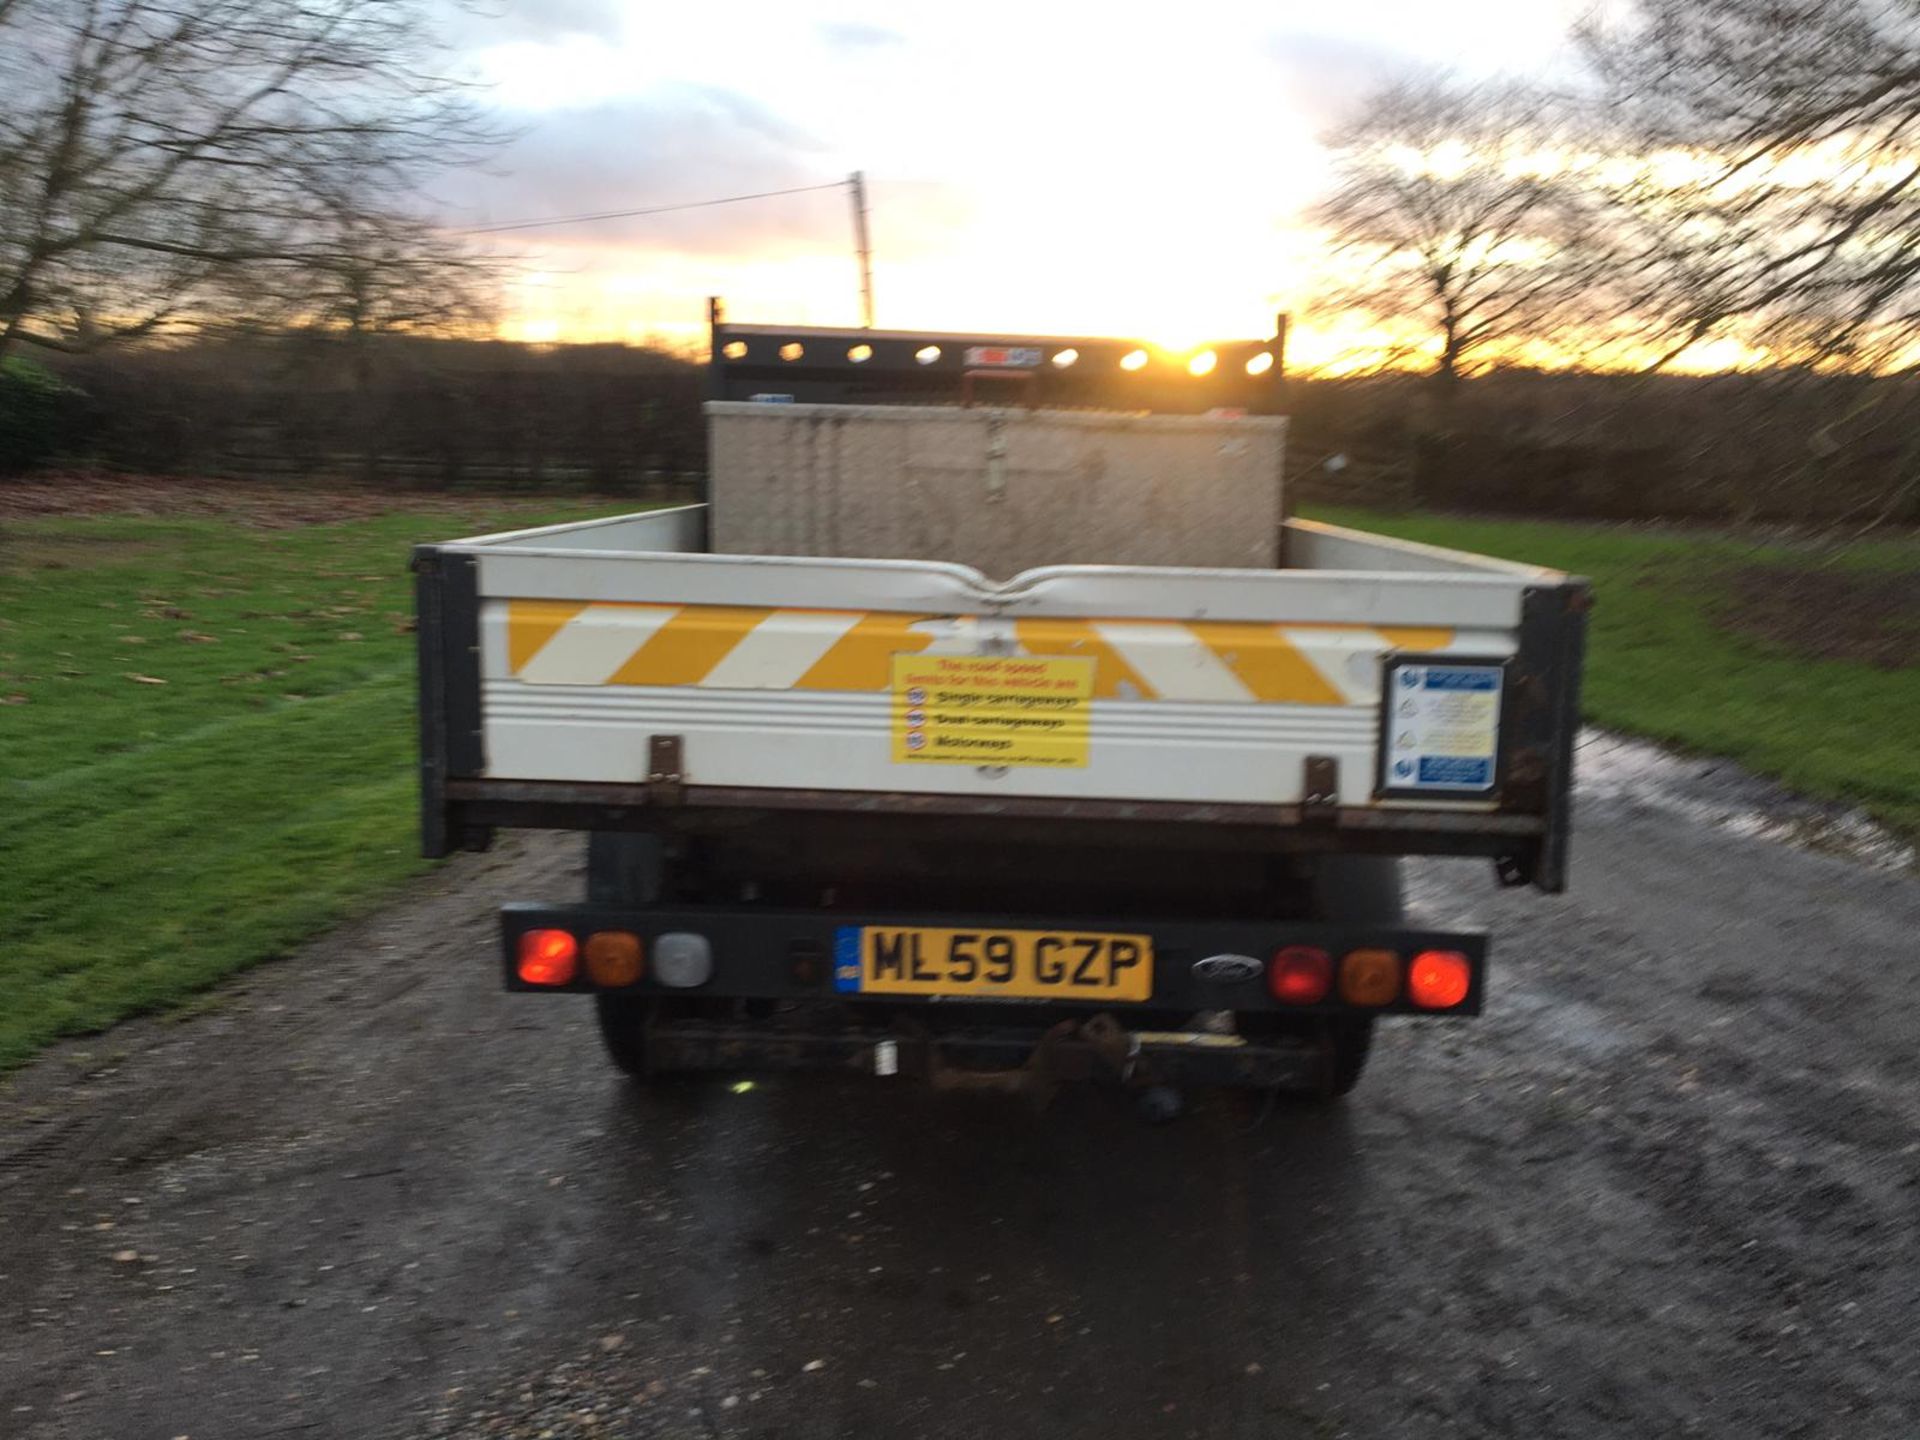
(548, 957)
(1439, 979)
(1300, 975)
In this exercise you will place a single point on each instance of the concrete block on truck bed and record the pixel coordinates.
(999, 490)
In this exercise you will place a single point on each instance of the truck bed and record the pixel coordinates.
(611, 674)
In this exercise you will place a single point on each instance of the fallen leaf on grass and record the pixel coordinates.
(195, 637)
(13, 699)
(145, 679)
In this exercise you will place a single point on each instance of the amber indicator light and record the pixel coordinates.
(613, 957)
(1370, 977)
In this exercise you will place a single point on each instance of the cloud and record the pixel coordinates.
(853, 35)
(1325, 78)
(677, 145)
(496, 22)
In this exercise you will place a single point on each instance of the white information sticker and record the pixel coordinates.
(1442, 726)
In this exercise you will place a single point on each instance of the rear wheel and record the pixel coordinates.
(1362, 888)
(1348, 1043)
(1352, 1042)
(623, 1031)
(625, 869)
(627, 1020)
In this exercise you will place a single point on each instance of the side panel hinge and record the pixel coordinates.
(1320, 791)
(666, 779)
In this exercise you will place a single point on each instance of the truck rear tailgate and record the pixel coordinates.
(614, 662)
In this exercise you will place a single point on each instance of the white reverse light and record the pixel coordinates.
(682, 960)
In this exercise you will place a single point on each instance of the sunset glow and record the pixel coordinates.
(1113, 172)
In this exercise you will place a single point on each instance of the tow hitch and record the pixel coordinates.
(998, 1061)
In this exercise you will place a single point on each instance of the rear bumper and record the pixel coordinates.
(991, 1059)
(766, 954)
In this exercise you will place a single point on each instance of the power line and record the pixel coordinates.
(654, 210)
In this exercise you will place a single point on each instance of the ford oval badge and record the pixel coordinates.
(1226, 969)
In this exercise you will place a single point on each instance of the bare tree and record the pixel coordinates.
(1778, 202)
(1463, 207)
(374, 273)
(368, 268)
(172, 162)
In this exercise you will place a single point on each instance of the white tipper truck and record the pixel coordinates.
(994, 723)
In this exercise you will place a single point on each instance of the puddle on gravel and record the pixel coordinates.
(1613, 770)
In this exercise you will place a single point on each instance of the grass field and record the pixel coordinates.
(207, 742)
(1798, 663)
(206, 747)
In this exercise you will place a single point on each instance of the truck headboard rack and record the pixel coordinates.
(829, 366)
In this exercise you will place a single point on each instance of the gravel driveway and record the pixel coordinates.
(1669, 1186)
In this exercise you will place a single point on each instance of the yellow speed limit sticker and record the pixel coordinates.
(992, 710)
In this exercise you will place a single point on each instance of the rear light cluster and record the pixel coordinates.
(1430, 980)
(551, 958)
(612, 959)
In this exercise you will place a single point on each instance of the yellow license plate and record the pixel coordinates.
(992, 964)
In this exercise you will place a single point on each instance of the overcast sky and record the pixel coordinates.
(1046, 166)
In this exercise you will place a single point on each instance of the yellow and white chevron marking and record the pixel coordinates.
(726, 647)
